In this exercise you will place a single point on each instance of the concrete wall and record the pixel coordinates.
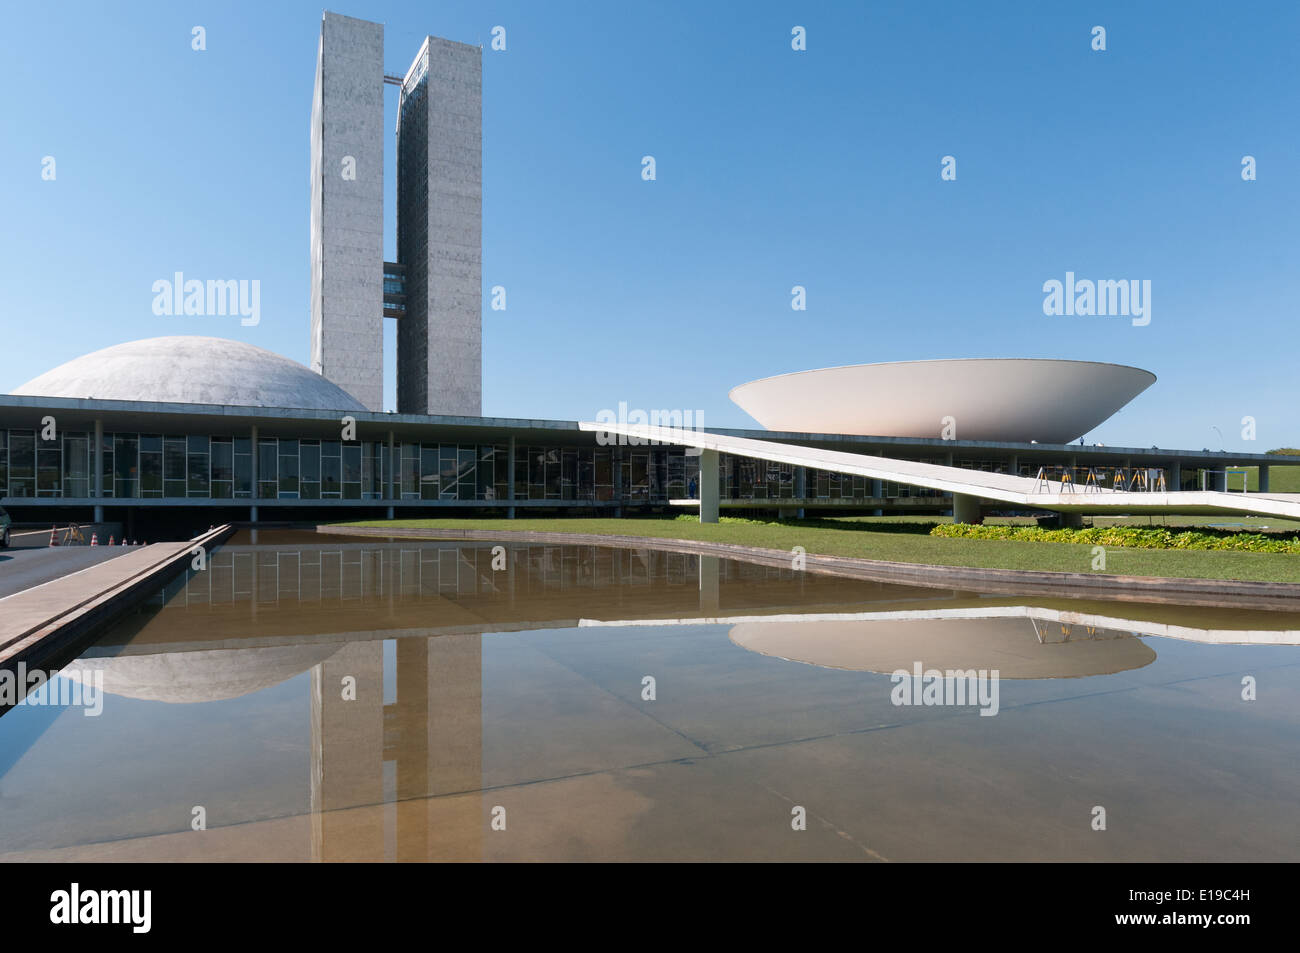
(347, 215)
(440, 233)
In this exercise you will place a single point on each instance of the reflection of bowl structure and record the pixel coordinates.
(1050, 401)
(1016, 648)
(201, 676)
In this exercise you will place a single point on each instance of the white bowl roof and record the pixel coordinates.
(191, 370)
(1003, 399)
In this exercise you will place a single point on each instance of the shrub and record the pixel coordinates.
(1130, 537)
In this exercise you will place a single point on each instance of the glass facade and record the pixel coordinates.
(193, 466)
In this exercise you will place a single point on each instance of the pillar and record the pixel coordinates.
(391, 484)
(1263, 478)
(510, 477)
(966, 509)
(1175, 479)
(255, 459)
(97, 482)
(709, 486)
(616, 455)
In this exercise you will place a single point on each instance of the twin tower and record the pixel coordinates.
(434, 289)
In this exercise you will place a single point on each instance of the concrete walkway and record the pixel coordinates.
(25, 566)
(37, 622)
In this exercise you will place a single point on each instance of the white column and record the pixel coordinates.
(709, 495)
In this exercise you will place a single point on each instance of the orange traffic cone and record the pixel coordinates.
(110, 540)
(94, 539)
(54, 536)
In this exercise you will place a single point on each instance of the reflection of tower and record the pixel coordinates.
(432, 734)
(347, 745)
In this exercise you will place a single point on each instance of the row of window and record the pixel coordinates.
(156, 466)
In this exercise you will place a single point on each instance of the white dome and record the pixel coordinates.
(1011, 399)
(191, 370)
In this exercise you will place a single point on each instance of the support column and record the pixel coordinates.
(1013, 465)
(510, 478)
(1263, 478)
(1071, 520)
(390, 484)
(1175, 478)
(616, 453)
(97, 483)
(709, 497)
(254, 459)
(966, 509)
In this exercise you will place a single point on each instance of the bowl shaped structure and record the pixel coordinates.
(1015, 400)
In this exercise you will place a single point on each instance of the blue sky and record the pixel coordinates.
(775, 168)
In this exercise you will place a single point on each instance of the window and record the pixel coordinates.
(126, 465)
(174, 466)
(288, 473)
(268, 469)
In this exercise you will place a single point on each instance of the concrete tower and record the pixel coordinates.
(440, 231)
(434, 289)
(347, 208)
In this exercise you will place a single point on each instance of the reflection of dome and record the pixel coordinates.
(1016, 400)
(1011, 646)
(191, 370)
(200, 676)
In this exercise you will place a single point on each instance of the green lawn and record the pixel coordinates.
(1280, 479)
(899, 540)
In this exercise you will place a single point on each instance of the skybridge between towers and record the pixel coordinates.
(972, 491)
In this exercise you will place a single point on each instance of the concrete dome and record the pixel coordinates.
(1011, 399)
(191, 370)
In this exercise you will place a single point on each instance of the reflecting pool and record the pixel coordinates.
(313, 698)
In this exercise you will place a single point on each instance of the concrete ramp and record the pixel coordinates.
(969, 487)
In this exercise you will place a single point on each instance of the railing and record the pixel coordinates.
(1227, 472)
(1063, 479)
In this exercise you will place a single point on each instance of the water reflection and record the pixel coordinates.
(379, 701)
(1026, 650)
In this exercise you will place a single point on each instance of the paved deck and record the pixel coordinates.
(28, 563)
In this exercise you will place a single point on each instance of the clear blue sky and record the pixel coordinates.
(775, 168)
